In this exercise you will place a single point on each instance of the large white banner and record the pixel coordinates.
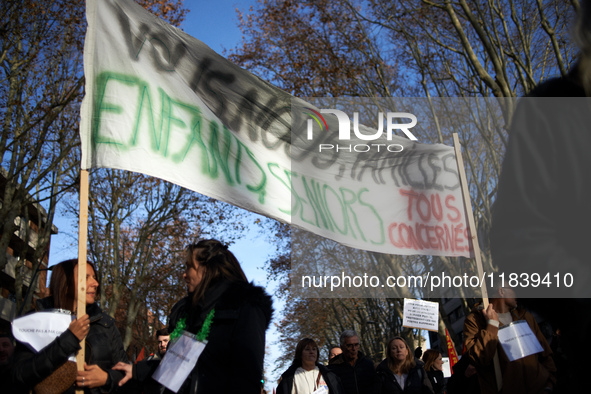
(162, 103)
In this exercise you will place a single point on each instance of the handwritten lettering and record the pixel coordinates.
(178, 132)
(431, 225)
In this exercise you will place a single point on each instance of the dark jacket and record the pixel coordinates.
(541, 215)
(417, 381)
(103, 348)
(357, 379)
(142, 382)
(437, 381)
(459, 383)
(8, 386)
(232, 361)
(332, 381)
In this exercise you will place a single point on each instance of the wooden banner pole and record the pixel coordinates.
(82, 251)
(474, 240)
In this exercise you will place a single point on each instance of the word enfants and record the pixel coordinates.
(345, 131)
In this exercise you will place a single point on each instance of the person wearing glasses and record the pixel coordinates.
(356, 371)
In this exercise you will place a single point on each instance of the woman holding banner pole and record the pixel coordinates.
(104, 347)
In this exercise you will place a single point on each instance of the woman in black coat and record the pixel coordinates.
(227, 313)
(235, 314)
(104, 347)
(399, 373)
(434, 368)
(306, 374)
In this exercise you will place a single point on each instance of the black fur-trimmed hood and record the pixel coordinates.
(243, 293)
(235, 296)
(232, 360)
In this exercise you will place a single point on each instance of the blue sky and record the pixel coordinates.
(215, 22)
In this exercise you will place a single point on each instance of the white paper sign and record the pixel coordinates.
(421, 314)
(40, 329)
(518, 340)
(178, 362)
(321, 390)
(446, 367)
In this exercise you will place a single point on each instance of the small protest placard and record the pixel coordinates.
(38, 330)
(446, 367)
(421, 314)
(178, 362)
(518, 340)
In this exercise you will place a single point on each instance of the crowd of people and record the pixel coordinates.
(349, 371)
(231, 317)
(540, 220)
